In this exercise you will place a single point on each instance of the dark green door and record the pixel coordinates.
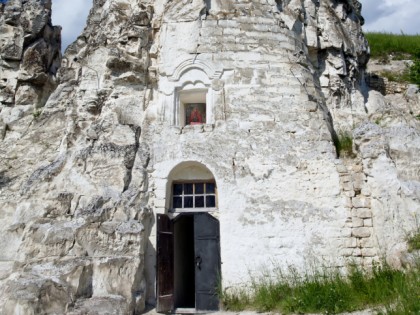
(205, 251)
(207, 261)
(165, 264)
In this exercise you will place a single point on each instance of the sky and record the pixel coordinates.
(71, 15)
(393, 16)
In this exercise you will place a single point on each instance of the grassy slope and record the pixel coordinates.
(385, 46)
(400, 46)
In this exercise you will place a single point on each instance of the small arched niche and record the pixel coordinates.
(189, 87)
(191, 187)
(193, 104)
(192, 101)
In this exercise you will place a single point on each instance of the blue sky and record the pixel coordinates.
(380, 15)
(394, 16)
(71, 15)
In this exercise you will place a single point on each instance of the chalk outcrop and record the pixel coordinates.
(30, 57)
(89, 150)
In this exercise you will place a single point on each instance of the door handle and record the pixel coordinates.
(198, 261)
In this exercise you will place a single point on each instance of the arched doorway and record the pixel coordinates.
(188, 242)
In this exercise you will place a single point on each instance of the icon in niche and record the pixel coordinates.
(195, 114)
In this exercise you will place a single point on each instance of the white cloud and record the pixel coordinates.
(71, 15)
(392, 16)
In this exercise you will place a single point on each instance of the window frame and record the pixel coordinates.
(186, 97)
(204, 194)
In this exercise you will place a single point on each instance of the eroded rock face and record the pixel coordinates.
(82, 180)
(74, 184)
(29, 59)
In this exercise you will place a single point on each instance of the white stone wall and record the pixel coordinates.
(269, 147)
(82, 180)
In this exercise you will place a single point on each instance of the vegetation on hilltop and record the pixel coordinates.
(399, 46)
(388, 46)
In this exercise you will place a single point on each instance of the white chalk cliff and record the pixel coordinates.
(91, 142)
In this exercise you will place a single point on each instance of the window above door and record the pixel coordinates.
(194, 196)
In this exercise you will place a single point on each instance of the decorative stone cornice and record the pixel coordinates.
(194, 63)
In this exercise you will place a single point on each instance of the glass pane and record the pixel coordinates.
(178, 189)
(188, 189)
(199, 188)
(188, 202)
(177, 202)
(210, 188)
(199, 202)
(210, 201)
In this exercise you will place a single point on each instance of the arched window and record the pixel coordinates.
(193, 196)
(192, 188)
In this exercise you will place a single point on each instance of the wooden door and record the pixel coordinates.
(165, 264)
(207, 261)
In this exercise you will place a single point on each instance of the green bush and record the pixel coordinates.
(414, 71)
(37, 113)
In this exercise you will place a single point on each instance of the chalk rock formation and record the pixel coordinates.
(30, 57)
(73, 184)
(82, 179)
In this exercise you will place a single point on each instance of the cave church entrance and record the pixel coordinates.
(188, 262)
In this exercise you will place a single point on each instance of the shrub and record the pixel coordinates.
(37, 113)
(414, 71)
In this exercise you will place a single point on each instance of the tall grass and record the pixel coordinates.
(397, 292)
(413, 241)
(414, 71)
(344, 144)
(401, 46)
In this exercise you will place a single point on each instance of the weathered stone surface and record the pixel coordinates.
(363, 213)
(86, 165)
(104, 305)
(360, 202)
(29, 59)
(361, 232)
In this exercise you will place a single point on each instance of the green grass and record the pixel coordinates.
(400, 46)
(330, 292)
(414, 71)
(385, 45)
(414, 242)
(396, 77)
(344, 144)
(37, 113)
